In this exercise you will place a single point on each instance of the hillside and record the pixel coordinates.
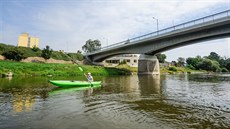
(31, 52)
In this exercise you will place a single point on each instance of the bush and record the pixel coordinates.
(191, 67)
(35, 49)
(46, 52)
(14, 54)
(173, 68)
(209, 65)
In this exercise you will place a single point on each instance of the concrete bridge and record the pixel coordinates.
(203, 29)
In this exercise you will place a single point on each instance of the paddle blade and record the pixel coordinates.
(80, 69)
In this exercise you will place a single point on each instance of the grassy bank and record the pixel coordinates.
(175, 70)
(163, 70)
(40, 69)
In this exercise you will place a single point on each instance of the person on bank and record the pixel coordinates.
(89, 77)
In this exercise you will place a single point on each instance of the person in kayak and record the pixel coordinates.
(89, 77)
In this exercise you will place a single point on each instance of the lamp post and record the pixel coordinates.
(157, 23)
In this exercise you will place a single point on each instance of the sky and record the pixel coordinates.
(68, 24)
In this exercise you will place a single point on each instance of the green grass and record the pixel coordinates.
(128, 68)
(41, 69)
(169, 70)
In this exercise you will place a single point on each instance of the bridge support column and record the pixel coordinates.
(148, 64)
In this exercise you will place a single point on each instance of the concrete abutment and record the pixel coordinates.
(148, 64)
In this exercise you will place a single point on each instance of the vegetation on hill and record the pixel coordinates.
(36, 52)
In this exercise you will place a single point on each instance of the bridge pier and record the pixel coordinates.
(148, 64)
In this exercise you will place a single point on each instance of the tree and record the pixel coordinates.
(193, 62)
(14, 54)
(214, 56)
(209, 65)
(91, 45)
(181, 61)
(161, 57)
(46, 52)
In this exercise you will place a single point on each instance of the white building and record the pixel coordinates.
(130, 59)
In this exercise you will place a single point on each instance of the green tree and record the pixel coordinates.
(193, 62)
(47, 52)
(161, 57)
(214, 56)
(209, 65)
(14, 54)
(91, 45)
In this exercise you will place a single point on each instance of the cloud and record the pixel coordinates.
(68, 24)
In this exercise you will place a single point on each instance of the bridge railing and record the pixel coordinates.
(200, 21)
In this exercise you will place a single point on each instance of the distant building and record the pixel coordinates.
(25, 41)
(130, 59)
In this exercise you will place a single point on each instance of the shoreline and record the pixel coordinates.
(51, 69)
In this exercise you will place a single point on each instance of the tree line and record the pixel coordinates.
(213, 62)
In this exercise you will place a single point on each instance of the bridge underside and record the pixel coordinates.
(163, 42)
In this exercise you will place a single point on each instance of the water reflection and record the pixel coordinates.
(20, 94)
(166, 101)
(22, 102)
(119, 84)
(149, 84)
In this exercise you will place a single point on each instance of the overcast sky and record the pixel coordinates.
(68, 24)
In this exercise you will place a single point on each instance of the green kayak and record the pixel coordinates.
(66, 83)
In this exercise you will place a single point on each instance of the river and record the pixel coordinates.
(122, 102)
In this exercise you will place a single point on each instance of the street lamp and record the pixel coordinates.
(157, 23)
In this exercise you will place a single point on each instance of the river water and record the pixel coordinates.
(122, 102)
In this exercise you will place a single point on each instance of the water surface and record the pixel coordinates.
(127, 102)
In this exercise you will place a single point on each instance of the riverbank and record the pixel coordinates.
(53, 69)
(163, 70)
(43, 69)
